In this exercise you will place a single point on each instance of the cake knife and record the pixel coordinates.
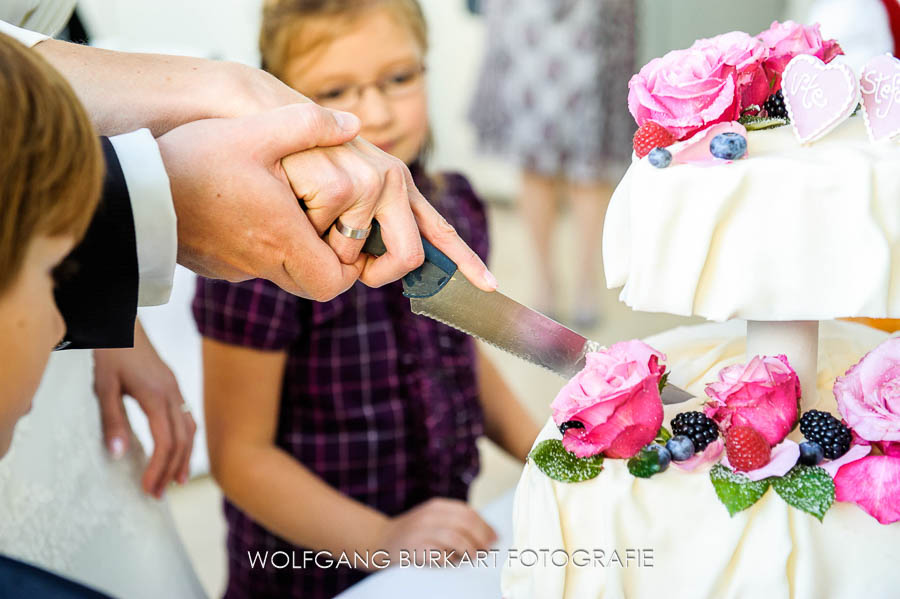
(438, 290)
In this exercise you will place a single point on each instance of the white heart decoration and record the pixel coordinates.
(818, 96)
(879, 85)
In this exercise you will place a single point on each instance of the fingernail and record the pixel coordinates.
(490, 279)
(117, 447)
(182, 479)
(346, 121)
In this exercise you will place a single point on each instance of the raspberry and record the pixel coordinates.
(826, 430)
(651, 136)
(747, 449)
(697, 427)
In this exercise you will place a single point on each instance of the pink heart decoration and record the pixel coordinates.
(818, 97)
(880, 88)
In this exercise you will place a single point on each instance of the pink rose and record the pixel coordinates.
(868, 395)
(685, 91)
(763, 394)
(747, 55)
(616, 398)
(789, 39)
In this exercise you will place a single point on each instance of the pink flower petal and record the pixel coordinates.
(784, 457)
(707, 456)
(857, 452)
(872, 483)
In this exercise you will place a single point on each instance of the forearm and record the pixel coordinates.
(507, 423)
(124, 91)
(280, 493)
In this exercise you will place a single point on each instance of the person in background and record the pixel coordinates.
(350, 425)
(552, 96)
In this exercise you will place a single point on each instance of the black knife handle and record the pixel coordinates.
(427, 279)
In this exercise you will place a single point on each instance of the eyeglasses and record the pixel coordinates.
(399, 84)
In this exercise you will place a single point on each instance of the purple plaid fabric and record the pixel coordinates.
(380, 403)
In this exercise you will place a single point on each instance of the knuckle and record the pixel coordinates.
(414, 258)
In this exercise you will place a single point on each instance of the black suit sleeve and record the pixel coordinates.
(97, 284)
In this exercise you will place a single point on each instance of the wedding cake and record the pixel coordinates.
(764, 194)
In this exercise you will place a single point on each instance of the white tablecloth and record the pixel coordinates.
(471, 582)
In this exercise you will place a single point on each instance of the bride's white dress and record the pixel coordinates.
(66, 506)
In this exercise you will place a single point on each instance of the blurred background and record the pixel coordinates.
(228, 31)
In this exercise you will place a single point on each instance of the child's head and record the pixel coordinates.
(362, 56)
(51, 171)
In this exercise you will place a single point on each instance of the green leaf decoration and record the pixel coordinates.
(645, 464)
(553, 460)
(663, 380)
(807, 488)
(736, 491)
(662, 436)
(755, 123)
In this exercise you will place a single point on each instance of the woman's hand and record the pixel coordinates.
(140, 373)
(446, 525)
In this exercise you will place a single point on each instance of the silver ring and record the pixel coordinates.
(350, 231)
(185, 409)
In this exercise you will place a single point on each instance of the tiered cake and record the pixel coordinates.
(756, 197)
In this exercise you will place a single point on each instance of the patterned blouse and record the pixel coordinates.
(380, 403)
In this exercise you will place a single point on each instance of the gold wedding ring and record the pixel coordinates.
(350, 231)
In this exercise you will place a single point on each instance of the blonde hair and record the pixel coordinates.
(51, 167)
(283, 35)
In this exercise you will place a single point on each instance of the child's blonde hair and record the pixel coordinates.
(51, 165)
(283, 37)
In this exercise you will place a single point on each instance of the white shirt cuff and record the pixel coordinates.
(29, 38)
(155, 226)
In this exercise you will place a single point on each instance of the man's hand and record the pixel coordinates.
(140, 373)
(358, 182)
(239, 217)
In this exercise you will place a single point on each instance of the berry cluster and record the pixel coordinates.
(826, 431)
(774, 106)
(651, 136)
(699, 428)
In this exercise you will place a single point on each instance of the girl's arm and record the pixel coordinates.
(242, 398)
(507, 423)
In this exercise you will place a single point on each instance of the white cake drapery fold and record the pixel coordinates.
(792, 233)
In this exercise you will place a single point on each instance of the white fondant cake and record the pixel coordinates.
(768, 551)
(792, 232)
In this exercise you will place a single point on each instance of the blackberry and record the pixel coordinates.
(569, 424)
(826, 430)
(697, 427)
(774, 105)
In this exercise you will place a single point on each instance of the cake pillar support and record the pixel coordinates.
(796, 339)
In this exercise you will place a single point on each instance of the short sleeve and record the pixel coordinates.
(256, 314)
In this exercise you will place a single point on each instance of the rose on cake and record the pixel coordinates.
(763, 394)
(717, 79)
(868, 397)
(615, 401)
(784, 41)
(747, 55)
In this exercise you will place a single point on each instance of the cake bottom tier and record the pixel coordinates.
(669, 537)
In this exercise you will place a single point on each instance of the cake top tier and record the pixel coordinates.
(776, 229)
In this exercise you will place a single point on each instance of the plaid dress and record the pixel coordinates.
(380, 403)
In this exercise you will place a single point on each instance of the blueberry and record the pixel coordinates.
(662, 455)
(728, 146)
(681, 447)
(811, 453)
(660, 157)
